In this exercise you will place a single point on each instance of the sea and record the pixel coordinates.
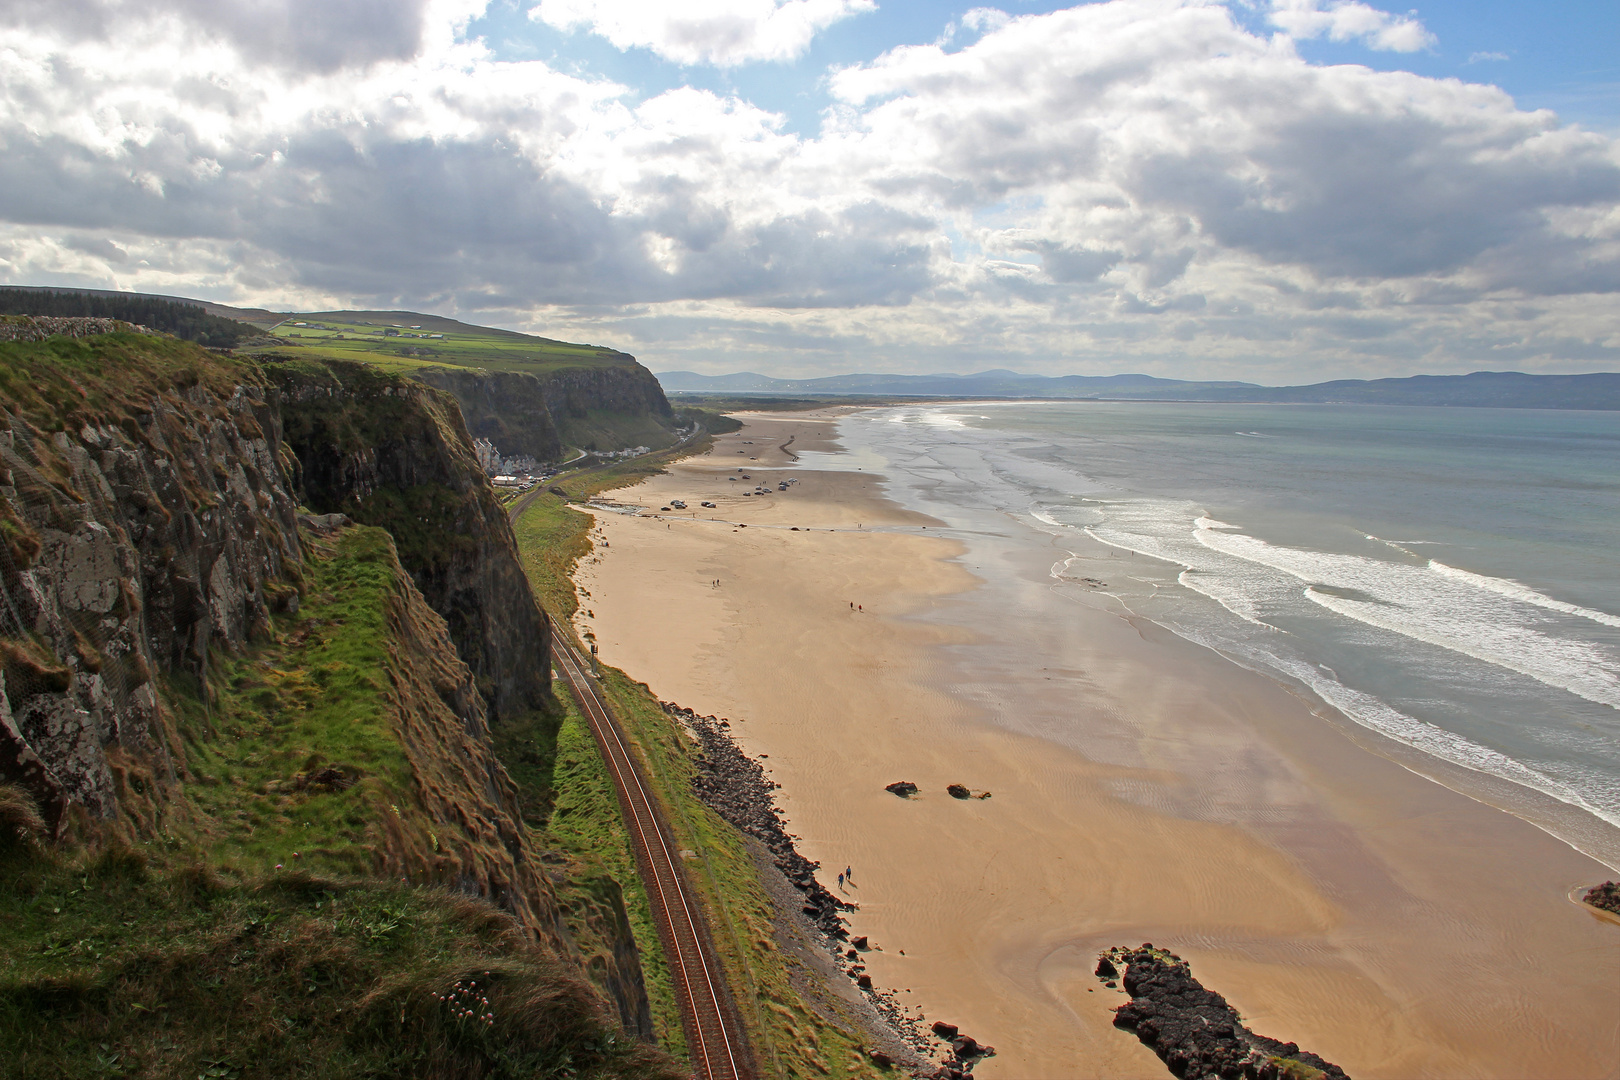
(1446, 579)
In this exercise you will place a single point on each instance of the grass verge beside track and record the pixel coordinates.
(790, 1038)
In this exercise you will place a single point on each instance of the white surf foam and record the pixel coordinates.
(1517, 590)
(1439, 609)
(1375, 715)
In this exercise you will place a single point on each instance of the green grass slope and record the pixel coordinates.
(117, 967)
(292, 922)
(300, 907)
(419, 340)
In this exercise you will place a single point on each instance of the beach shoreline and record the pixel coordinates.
(1332, 895)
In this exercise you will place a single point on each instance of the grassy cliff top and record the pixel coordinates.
(408, 340)
(399, 341)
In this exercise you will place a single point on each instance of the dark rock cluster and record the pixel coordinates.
(1193, 1030)
(965, 1052)
(734, 785)
(1605, 896)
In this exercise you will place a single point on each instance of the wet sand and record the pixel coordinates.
(1338, 900)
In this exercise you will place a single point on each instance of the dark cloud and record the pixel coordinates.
(1377, 196)
(306, 35)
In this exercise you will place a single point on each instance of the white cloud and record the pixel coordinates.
(1139, 184)
(1350, 20)
(1483, 57)
(720, 32)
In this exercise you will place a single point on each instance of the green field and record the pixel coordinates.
(404, 341)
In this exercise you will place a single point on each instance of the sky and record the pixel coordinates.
(1273, 190)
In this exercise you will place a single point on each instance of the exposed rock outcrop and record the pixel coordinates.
(1605, 896)
(1194, 1031)
(626, 387)
(507, 408)
(598, 406)
(394, 452)
(147, 523)
(150, 528)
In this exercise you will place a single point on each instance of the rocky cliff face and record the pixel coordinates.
(507, 408)
(393, 452)
(624, 388)
(147, 525)
(462, 790)
(172, 642)
(605, 406)
(151, 531)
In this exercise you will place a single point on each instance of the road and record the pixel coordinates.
(523, 502)
(714, 1033)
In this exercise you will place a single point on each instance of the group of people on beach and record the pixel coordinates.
(848, 875)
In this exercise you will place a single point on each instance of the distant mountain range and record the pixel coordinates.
(1492, 389)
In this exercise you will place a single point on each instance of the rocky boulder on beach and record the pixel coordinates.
(1605, 896)
(1194, 1031)
(734, 785)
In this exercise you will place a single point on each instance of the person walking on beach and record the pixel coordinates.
(849, 873)
(840, 881)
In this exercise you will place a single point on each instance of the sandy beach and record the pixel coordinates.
(1142, 789)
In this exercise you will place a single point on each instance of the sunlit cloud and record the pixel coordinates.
(719, 32)
(1143, 184)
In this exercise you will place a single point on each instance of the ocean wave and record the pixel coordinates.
(1237, 601)
(1376, 715)
(1517, 590)
(1451, 663)
(1439, 609)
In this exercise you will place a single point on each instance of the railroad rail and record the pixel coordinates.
(714, 1032)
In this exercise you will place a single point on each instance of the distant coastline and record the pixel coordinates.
(1480, 389)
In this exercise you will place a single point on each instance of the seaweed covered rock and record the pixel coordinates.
(1605, 896)
(1194, 1031)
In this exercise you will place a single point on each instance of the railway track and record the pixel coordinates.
(714, 1032)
